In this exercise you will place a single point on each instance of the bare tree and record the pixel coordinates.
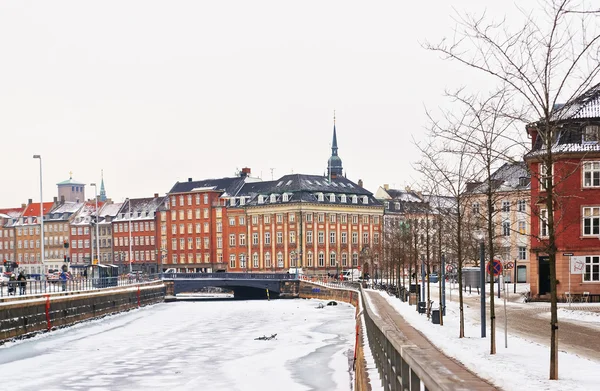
(553, 57)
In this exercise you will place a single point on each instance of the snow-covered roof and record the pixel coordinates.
(141, 209)
(586, 105)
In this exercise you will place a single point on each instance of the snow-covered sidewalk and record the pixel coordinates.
(524, 365)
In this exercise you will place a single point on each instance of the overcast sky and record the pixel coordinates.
(156, 92)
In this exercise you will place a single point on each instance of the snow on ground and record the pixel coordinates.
(576, 316)
(208, 345)
(524, 365)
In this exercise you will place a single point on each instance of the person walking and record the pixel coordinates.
(12, 284)
(22, 282)
(63, 278)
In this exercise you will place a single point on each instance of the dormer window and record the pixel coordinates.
(242, 201)
(232, 201)
(273, 198)
(332, 198)
(387, 205)
(285, 197)
(320, 197)
(397, 205)
(591, 134)
(355, 199)
(343, 198)
(261, 199)
(365, 199)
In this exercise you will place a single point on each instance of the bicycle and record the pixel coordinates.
(526, 296)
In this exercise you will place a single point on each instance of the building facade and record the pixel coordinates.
(575, 177)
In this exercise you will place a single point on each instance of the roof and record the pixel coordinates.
(227, 185)
(141, 208)
(110, 209)
(84, 215)
(33, 209)
(64, 210)
(305, 188)
(509, 177)
(13, 213)
(70, 181)
(585, 106)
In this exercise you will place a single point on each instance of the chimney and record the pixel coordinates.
(386, 186)
(360, 183)
(245, 172)
(23, 206)
(155, 195)
(62, 199)
(29, 201)
(55, 200)
(407, 189)
(189, 179)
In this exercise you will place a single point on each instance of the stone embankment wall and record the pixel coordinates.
(314, 291)
(44, 312)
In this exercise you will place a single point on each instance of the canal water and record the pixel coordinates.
(196, 345)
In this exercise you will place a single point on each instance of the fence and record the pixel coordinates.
(33, 287)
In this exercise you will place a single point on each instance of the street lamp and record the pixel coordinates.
(41, 217)
(482, 280)
(97, 221)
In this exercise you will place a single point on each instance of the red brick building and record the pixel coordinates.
(576, 177)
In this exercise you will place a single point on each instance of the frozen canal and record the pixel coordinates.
(192, 346)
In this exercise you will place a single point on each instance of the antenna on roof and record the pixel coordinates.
(272, 169)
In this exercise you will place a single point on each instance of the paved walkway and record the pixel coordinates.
(467, 379)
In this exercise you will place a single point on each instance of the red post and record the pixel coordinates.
(48, 324)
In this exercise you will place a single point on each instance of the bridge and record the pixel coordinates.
(243, 285)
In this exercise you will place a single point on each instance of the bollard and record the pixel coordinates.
(268, 298)
(48, 324)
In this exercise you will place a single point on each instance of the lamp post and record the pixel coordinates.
(443, 283)
(42, 274)
(482, 281)
(293, 256)
(97, 221)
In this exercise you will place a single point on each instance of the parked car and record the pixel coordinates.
(5, 276)
(433, 277)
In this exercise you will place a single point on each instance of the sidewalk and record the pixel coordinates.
(464, 378)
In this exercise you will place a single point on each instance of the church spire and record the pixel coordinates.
(334, 164)
(102, 190)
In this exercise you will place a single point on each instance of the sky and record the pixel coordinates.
(156, 92)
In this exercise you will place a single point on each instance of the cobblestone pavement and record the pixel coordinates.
(532, 321)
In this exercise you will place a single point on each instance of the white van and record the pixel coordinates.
(293, 271)
(170, 270)
(351, 275)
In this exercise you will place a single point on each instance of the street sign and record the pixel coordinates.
(509, 266)
(449, 268)
(577, 265)
(497, 267)
(568, 254)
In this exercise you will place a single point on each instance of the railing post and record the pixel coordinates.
(415, 382)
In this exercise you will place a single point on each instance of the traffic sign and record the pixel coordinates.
(497, 267)
(509, 266)
(449, 269)
(568, 254)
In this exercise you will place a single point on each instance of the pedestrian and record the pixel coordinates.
(63, 278)
(22, 282)
(12, 283)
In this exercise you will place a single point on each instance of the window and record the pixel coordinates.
(309, 259)
(174, 244)
(592, 269)
(292, 259)
(344, 237)
(506, 228)
(268, 260)
(242, 240)
(354, 219)
(505, 206)
(190, 229)
(232, 240)
(242, 261)
(332, 218)
(231, 221)
(254, 220)
(321, 259)
(543, 222)
(292, 236)
(522, 227)
(376, 220)
(279, 218)
(292, 217)
(332, 259)
(197, 198)
(242, 220)
(344, 259)
(279, 237)
(521, 206)
(591, 134)
(475, 208)
(205, 213)
(279, 260)
(332, 237)
(591, 174)
(219, 242)
(309, 237)
(365, 219)
(190, 243)
(198, 243)
(255, 239)
(354, 237)
(181, 214)
(344, 219)
(198, 228)
(522, 253)
(205, 198)
(321, 217)
(321, 237)
(354, 259)
(545, 176)
(232, 261)
(376, 238)
(309, 218)
(365, 238)
(255, 261)
(267, 238)
(189, 214)
(219, 227)
(591, 221)
(267, 219)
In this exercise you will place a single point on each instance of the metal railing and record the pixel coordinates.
(36, 287)
(229, 276)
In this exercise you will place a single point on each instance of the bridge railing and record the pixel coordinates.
(35, 287)
(402, 365)
(229, 276)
